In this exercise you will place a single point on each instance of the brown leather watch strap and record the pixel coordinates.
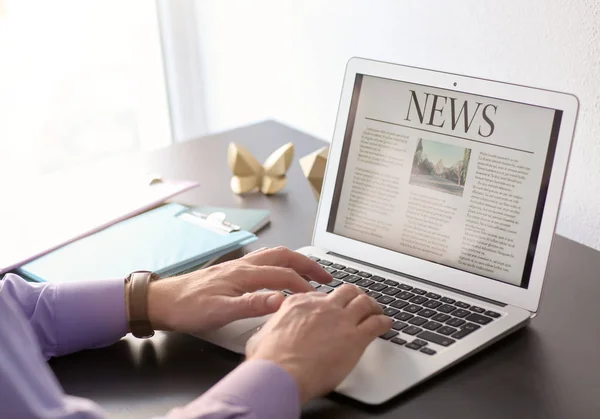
(139, 323)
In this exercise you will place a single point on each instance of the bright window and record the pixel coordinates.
(79, 81)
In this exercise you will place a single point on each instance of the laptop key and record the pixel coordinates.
(364, 274)
(447, 300)
(373, 294)
(471, 326)
(385, 299)
(377, 287)
(432, 304)
(455, 322)
(478, 318)
(432, 325)
(365, 282)
(330, 270)
(413, 308)
(399, 304)
(340, 275)
(462, 333)
(419, 299)
(335, 283)
(432, 295)
(417, 321)
(466, 330)
(389, 311)
(404, 316)
(325, 289)
(440, 317)
(377, 278)
(428, 351)
(391, 291)
(405, 287)
(460, 313)
(413, 345)
(477, 309)
(391, 282)
(460, 304)
(316, 259)
(412, 330)
(399, 341)
(419, 291)
(398, 325)
(446, 308)
(427, 312)
(352, 279)
(405, 295)
(325, 262)
(420, 342)
(389, 334)
(351, 270)
(338, 266)
(446, 330)
(492, 314)
(435, 338)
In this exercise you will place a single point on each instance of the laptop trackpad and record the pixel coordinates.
(244, 337)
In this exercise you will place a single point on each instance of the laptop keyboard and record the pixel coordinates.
(420, 317)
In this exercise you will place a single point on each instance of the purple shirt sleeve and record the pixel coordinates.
(68, 317)
(256, 389)
(38, 321)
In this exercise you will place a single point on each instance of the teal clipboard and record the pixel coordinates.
(164, 240)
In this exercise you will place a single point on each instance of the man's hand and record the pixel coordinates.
(319, 338)
(210, 298)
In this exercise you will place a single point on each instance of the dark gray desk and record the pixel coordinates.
(548, 370)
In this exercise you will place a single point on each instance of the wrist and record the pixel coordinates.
(158, 307)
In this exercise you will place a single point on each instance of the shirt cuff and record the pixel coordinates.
(89, 314)
(263, 387)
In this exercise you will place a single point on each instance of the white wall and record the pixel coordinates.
(284, 59)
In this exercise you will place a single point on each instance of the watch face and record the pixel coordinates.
(141, 329)
(144, 335)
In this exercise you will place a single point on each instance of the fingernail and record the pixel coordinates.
(273, 300)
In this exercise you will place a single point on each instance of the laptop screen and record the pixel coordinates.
(446, 176)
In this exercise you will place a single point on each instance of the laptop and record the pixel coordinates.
(440, 200)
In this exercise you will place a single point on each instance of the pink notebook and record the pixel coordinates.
(36, 218)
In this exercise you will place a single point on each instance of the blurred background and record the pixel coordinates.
(84, 80)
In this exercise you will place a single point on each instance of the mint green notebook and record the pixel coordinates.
(249, 219)
(160, 240)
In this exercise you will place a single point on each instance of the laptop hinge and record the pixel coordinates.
(424, 281)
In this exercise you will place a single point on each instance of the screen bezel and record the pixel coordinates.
(527, 298)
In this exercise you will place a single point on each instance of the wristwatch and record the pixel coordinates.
(136, 285)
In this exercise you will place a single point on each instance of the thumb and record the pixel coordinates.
(257, 304)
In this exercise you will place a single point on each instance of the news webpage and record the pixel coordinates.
(445, 176)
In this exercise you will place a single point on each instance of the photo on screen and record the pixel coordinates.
(440, 166)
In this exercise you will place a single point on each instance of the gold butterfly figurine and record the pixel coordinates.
(249, 174)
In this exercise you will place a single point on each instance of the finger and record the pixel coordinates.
(305, 297)
(253, 305)
(362, 307)
(374, 326)
(343, 295)
(256, 251)
(274, 278)
(286, 258)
